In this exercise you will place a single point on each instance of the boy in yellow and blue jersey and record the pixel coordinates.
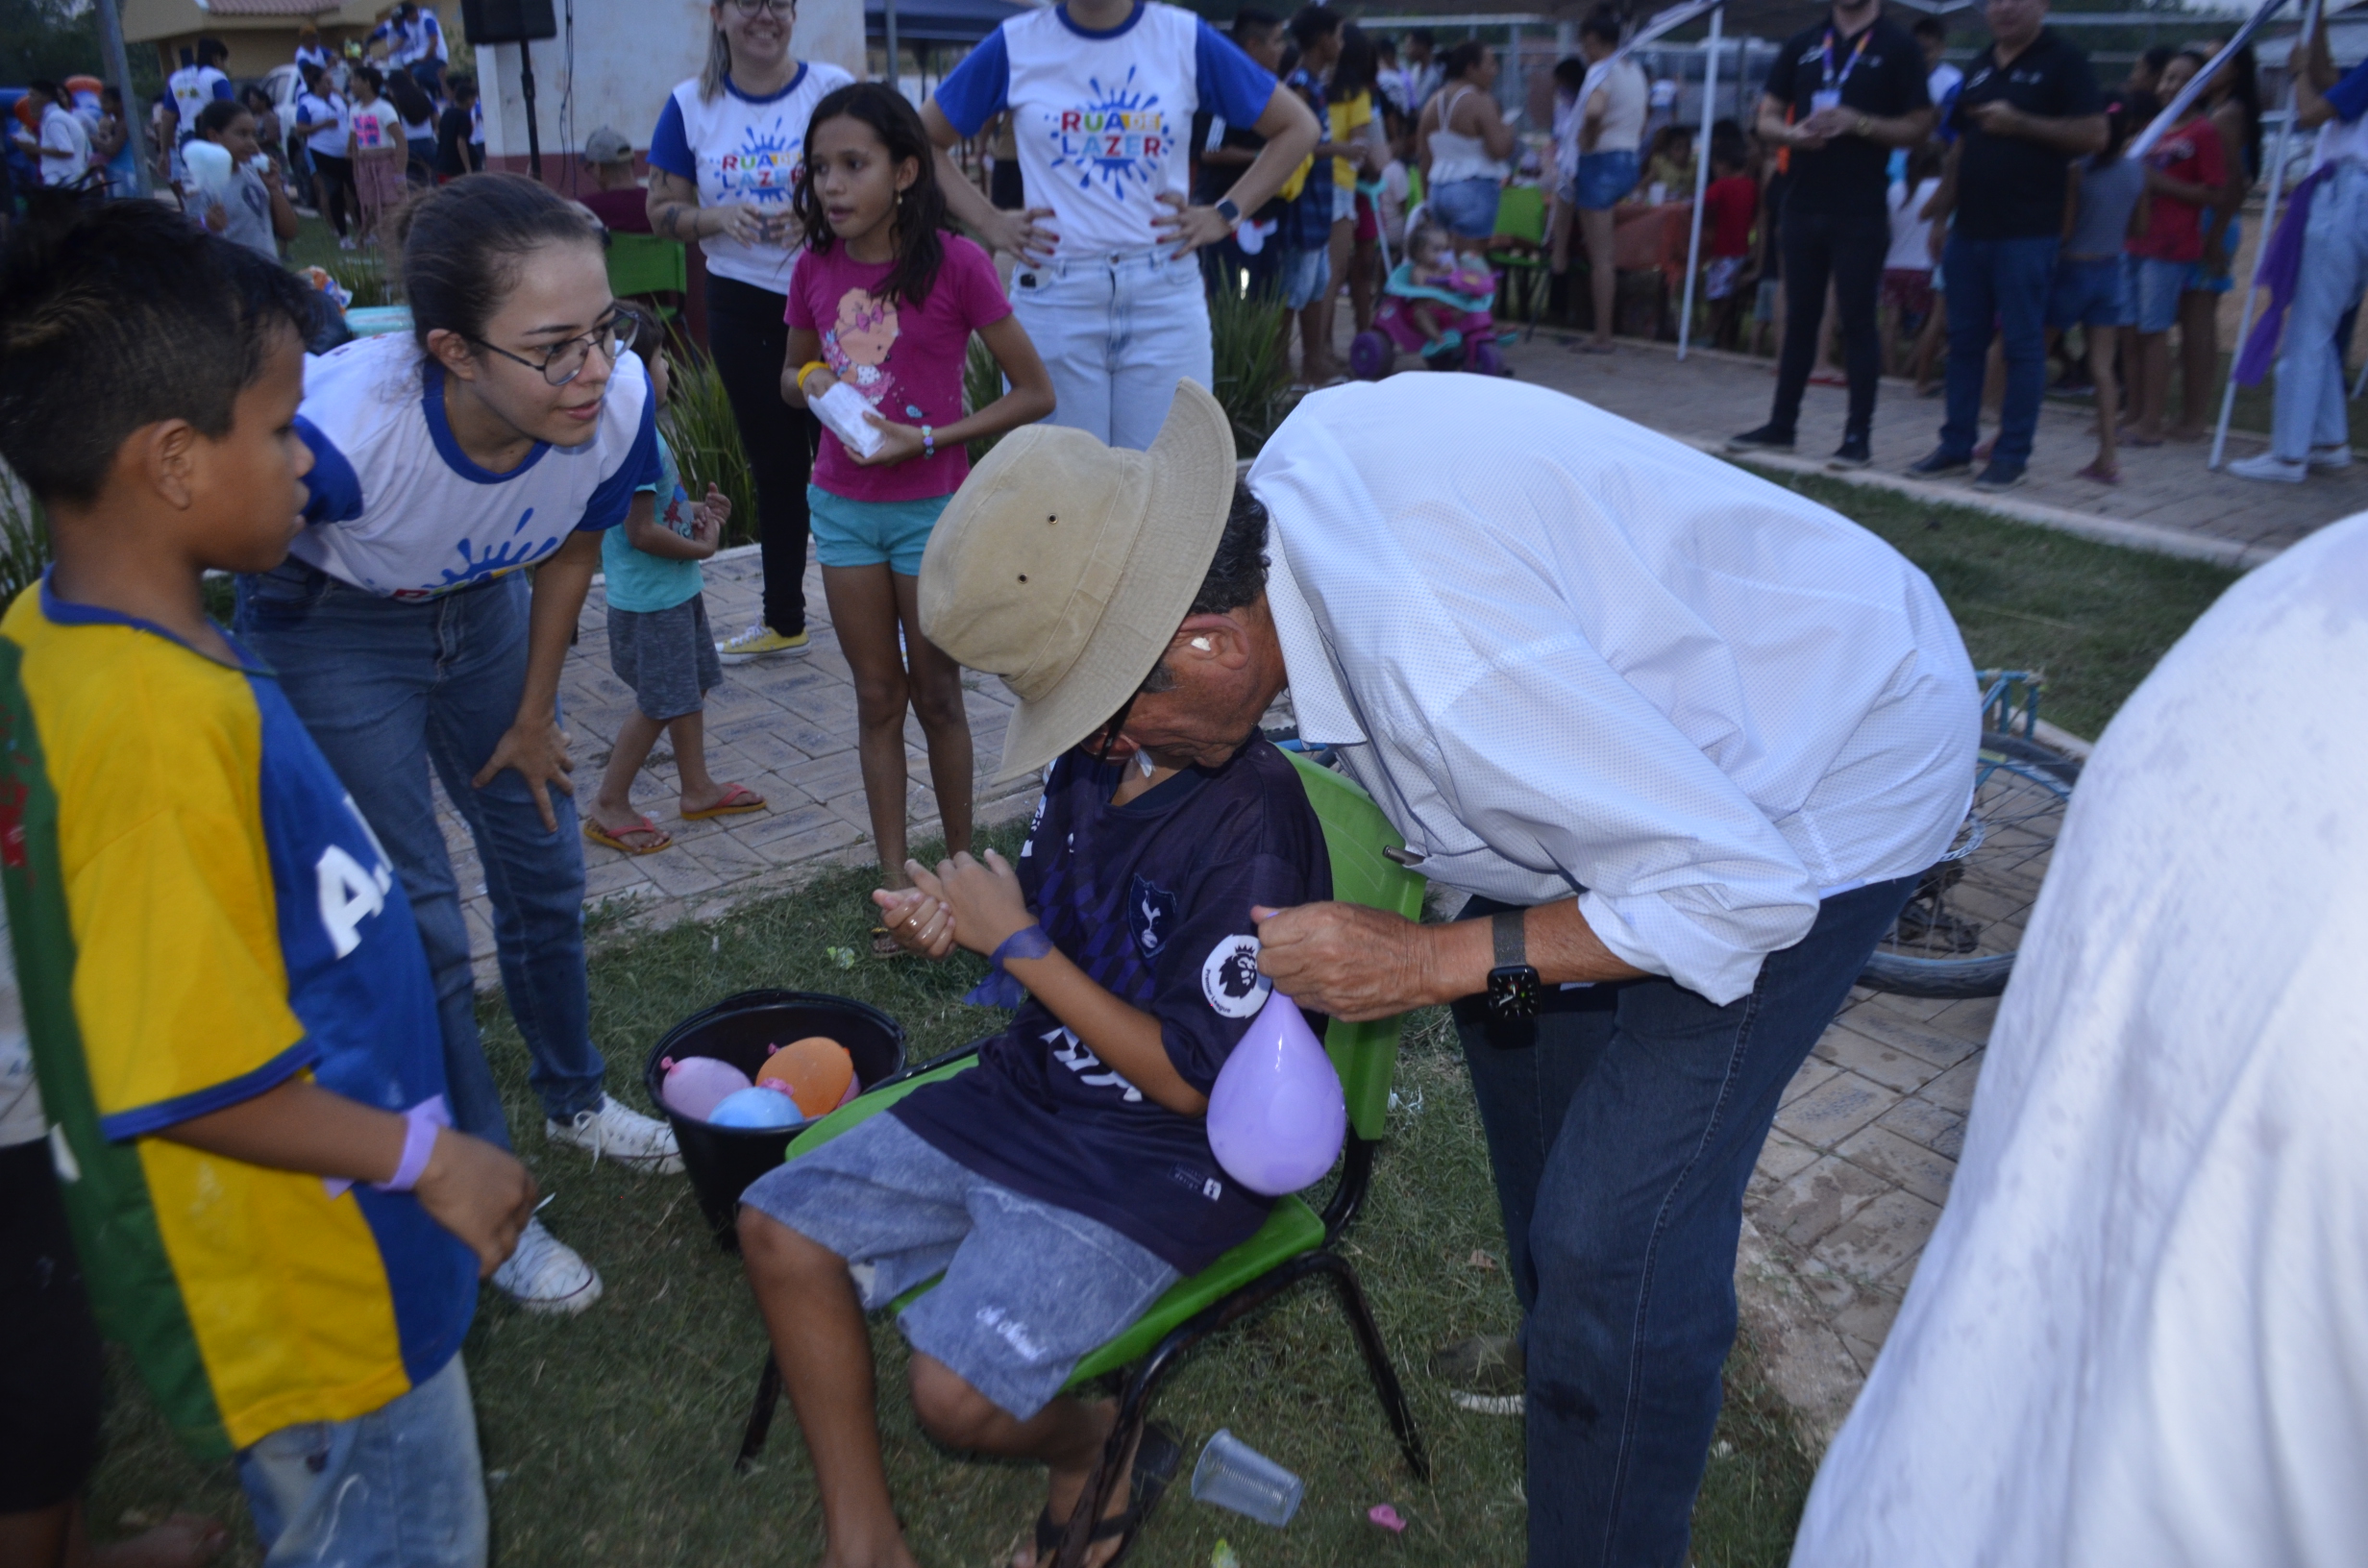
(229, 1011)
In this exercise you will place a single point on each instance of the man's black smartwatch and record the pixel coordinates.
(1230, 210)
(1512, 985)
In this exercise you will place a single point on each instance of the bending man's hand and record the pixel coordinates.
(1346, 960)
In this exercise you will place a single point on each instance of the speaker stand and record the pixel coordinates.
(525, 91)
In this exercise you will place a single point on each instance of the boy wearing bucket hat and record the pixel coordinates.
(1065, 1181)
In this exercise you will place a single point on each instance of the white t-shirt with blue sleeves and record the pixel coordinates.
(743, 149)
(1102, 119)
(395, 505)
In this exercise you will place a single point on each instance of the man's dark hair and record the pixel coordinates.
(118, 315)
(1602, 24)
(1932, 28)
(50, 90)
(460, 85)
(1236, 577)
(1422, 37)
(1570, 71)
(215, 118)
(212, 51)
(1249, 22)
(2160, 55)
(1460, 61)
(1313, 23)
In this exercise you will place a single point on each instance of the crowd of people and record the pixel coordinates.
(1652, 944)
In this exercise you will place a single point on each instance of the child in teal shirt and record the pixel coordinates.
(659, 644)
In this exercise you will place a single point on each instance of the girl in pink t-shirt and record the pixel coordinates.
(883, 303)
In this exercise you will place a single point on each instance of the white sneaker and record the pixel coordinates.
(2271, 467)
(545, 1275)
(2330, 456)
(610, 1131)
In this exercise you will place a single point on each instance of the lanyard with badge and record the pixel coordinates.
(1830, 95)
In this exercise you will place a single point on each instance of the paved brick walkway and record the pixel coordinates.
(2168, 500)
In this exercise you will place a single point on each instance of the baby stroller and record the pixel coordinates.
(1467, 342)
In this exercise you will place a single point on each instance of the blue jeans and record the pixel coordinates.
(401, 1487)
(1466, 208)
(1624, 1122)
(1117, 333)
(1999, 285)
(2308, 410)
(389, 688)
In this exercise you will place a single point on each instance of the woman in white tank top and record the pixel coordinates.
(1464, 143)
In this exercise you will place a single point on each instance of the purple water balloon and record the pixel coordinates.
(696, 1085)
(1276, 1115)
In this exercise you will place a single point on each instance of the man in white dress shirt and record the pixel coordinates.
(1685, 737)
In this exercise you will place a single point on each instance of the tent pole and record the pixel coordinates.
(888, 18)
(2269, 227)
(1701, 179)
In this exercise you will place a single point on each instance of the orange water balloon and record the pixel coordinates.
(818, 1070)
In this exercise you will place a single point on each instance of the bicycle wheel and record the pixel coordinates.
(1959, 934)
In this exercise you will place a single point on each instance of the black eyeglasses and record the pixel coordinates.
(1110, 731)
(562, 363)
(779, 8)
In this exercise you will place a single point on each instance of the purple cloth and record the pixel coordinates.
(2280, 268)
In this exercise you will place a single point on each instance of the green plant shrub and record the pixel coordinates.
(1252, 367)
(698, 424)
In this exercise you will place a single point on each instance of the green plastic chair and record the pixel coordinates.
(1521, 219)
(1294, 1245)
(645, 264)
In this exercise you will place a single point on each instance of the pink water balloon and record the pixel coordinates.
(1276, 1115)
(696, 1085)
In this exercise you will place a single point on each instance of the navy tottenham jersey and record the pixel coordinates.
(1152, 900)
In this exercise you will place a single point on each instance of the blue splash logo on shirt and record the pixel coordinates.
(1150, 914)
(765, 168)
(1118, 135)
(493, 560)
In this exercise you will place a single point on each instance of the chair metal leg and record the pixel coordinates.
(1377, 1361)
(760, 1415)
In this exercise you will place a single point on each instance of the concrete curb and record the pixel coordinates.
(2109, 531)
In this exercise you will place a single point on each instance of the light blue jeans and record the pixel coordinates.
(401, 1487)
(2308, 409)
(390, 688)
(1117, 333)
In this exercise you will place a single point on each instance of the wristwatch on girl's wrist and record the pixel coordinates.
(1230, 210)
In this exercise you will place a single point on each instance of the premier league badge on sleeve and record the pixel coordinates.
(1231, 980)
(1150, 914)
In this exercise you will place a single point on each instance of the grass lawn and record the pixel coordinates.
(609, 1438)
(2092, 618)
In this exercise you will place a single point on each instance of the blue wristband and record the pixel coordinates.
(1000, 987)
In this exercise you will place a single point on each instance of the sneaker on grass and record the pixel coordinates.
(545, 1275)
(2271, 467)
(611, 1132)
(1485, 1373)
(1767, 438)
(759, 642)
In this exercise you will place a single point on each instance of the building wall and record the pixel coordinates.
(629, 56)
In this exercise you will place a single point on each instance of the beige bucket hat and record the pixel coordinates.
(1065, 567)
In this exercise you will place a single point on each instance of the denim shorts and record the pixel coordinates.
(2153, 290)
(1466, 208)
(1604, 178)
(2089, 291)
(2200, 281)
(872, 532)
(1301, 277)
(1029, 1290)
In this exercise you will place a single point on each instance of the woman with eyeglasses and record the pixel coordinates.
(725, 160)
(510, 430)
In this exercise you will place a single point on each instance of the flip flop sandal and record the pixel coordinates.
(1157, 1457)
(737, 799)
(611, 840)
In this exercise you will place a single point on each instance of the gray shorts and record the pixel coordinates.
(666, 657)
(1030, 1291)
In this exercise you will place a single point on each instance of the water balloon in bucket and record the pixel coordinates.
(760, 1107)
(696, 1084)
(816, 1071)
(1276, 1115)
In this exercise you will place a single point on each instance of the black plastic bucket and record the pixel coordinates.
(723, 1161)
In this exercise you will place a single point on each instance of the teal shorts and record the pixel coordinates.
(872, 532)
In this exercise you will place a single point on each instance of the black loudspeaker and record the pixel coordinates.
(507, 21)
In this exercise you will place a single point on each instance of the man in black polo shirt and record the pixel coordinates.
(2028, 107)
(1841, 96)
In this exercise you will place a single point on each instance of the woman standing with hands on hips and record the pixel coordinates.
(1102, 94)
(725, 165)
(510, 431)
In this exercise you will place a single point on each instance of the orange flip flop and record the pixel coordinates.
(738, 798)
(615, 841)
